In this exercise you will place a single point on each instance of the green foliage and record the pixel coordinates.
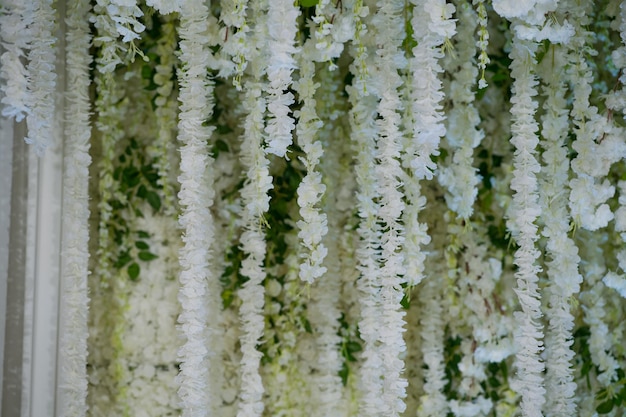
(613, 396)
(137, 182)
(231, 277)
(351, 345)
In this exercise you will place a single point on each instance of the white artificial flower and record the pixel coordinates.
(616, 282)
(479, 407)
(282, 28)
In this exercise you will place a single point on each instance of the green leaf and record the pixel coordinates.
(353, 347)
(227, 298)
(154, 200)
(146, 72)
(406, 301)
(130, 176)
(123, 259)
(142, 191)
(142, 245)
(143, 234)
(147, 256)
(308, 3)
(605, 407)
(343, 373)
(133, 271)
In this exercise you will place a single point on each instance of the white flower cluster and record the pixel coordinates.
(282, 29)
(113, 19)
(28, 34)
(236, 42)
(16, 35)
(334, 27)
(598, 145)
(462, 132)
(124, 14)
(433, 26)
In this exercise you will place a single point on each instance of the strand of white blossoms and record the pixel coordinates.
(16, 36)
(74, 303)
(282, 27)
(199, 309)
(386, 81)
(524, 211)
(323, 310)
(562, 271)
(589, 194)
(363, 134)
(313, 226)
(432, 26)
(256, 202)
(42, 77)
(462, 133)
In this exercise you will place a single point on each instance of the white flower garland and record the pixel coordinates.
(563, 272)
(199, 291)
(256, 202)
(324, 313)
(593, 303)
(313, 226)
(74, 303)
(462, 132)
(483, 41)
(282, 29)
(368, 256)
(432, 26)
(41, 77)
(433, 402)
(234, 17)
(597, 147)
(386, 80)
(524, 212)
(16, 35)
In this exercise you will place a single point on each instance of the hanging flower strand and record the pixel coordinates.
(198, 296)
(282, 28)
(255, 200)
(74, 303)
(42, 77)
(389, 22)
(483, 41)
(524, 212)
(16, 36)
(562, 270)
(364, 131)
(462, 133)
(313, 226)
(236, 42)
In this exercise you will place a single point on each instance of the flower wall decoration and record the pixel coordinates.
(331, 207)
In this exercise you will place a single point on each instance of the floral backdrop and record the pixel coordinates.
(333, 207)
